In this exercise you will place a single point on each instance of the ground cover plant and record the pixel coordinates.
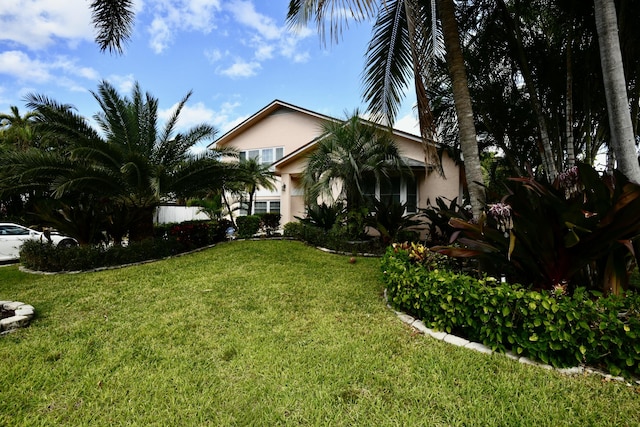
(552, 327)
(262, 333)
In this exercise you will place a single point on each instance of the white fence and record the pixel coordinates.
(174, 214)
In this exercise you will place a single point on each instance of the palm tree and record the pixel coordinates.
(350, 156)
(253, 175)
(129, 166)
(17, 130)
(620, 124)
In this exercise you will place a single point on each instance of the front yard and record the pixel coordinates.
(262, 333)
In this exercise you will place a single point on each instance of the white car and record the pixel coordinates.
(12, 236)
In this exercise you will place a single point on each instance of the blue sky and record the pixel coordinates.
(235, 55)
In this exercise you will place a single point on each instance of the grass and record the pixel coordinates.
(262, 333)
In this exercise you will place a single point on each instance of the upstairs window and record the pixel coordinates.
(265, 156)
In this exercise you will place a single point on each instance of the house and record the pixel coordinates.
(283, 135)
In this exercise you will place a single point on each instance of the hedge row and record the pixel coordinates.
(562, 330)
(333, 239)
(169, 240)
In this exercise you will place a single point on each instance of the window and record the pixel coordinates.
(265, 156)
(254, 154)
(14, 230)
(260, 207)
(390, 190)
(396, 190)
(264, 206)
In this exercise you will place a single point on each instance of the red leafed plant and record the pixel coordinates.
(580, 231)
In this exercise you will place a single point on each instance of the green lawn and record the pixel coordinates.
(262, 333)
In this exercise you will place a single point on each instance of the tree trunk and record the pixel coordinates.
(464, 110)
(622, 140)
(571, 152)
(546, 151)
(142, 227)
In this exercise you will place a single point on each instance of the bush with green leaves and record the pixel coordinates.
(42, 256)
(169, 239)
(337, 238)
(550, 326)
(248, 226)
(269, 222)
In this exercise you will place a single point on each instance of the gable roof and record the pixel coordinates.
(309, 146)
(276, 105)
(261, 115)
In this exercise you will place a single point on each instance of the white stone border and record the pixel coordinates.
(21, 318)
(419, 326)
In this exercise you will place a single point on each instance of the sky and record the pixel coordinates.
(237, 56)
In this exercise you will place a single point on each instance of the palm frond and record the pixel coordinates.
(332, 14)
(113, 20)
(389, 65)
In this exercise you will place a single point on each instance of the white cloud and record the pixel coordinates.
(124, 84)
(241, 68)
(170, 17)
(161, 35)
(245, 13)
(60, 69)
(213, 55)
(37, 23)
(18, 65)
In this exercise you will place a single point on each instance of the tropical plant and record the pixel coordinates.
(392, 221)
(130, 165)
(349, 156)
(322, 215)
(16, 130)
(581, 231)
(438, 217)
(252, 175)
(113, 21)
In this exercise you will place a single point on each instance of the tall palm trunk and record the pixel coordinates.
(571, 152)
(622, 140)
(464, 110)
(546, 151)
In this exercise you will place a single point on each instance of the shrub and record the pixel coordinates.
(42, 256)
(551, 326)
(248, 226)
(337, 238)
(269, 222)
(169, 240)
(294, 230)
(193, 234)
(219, 229)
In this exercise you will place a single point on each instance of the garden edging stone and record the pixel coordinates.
(23, 313)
